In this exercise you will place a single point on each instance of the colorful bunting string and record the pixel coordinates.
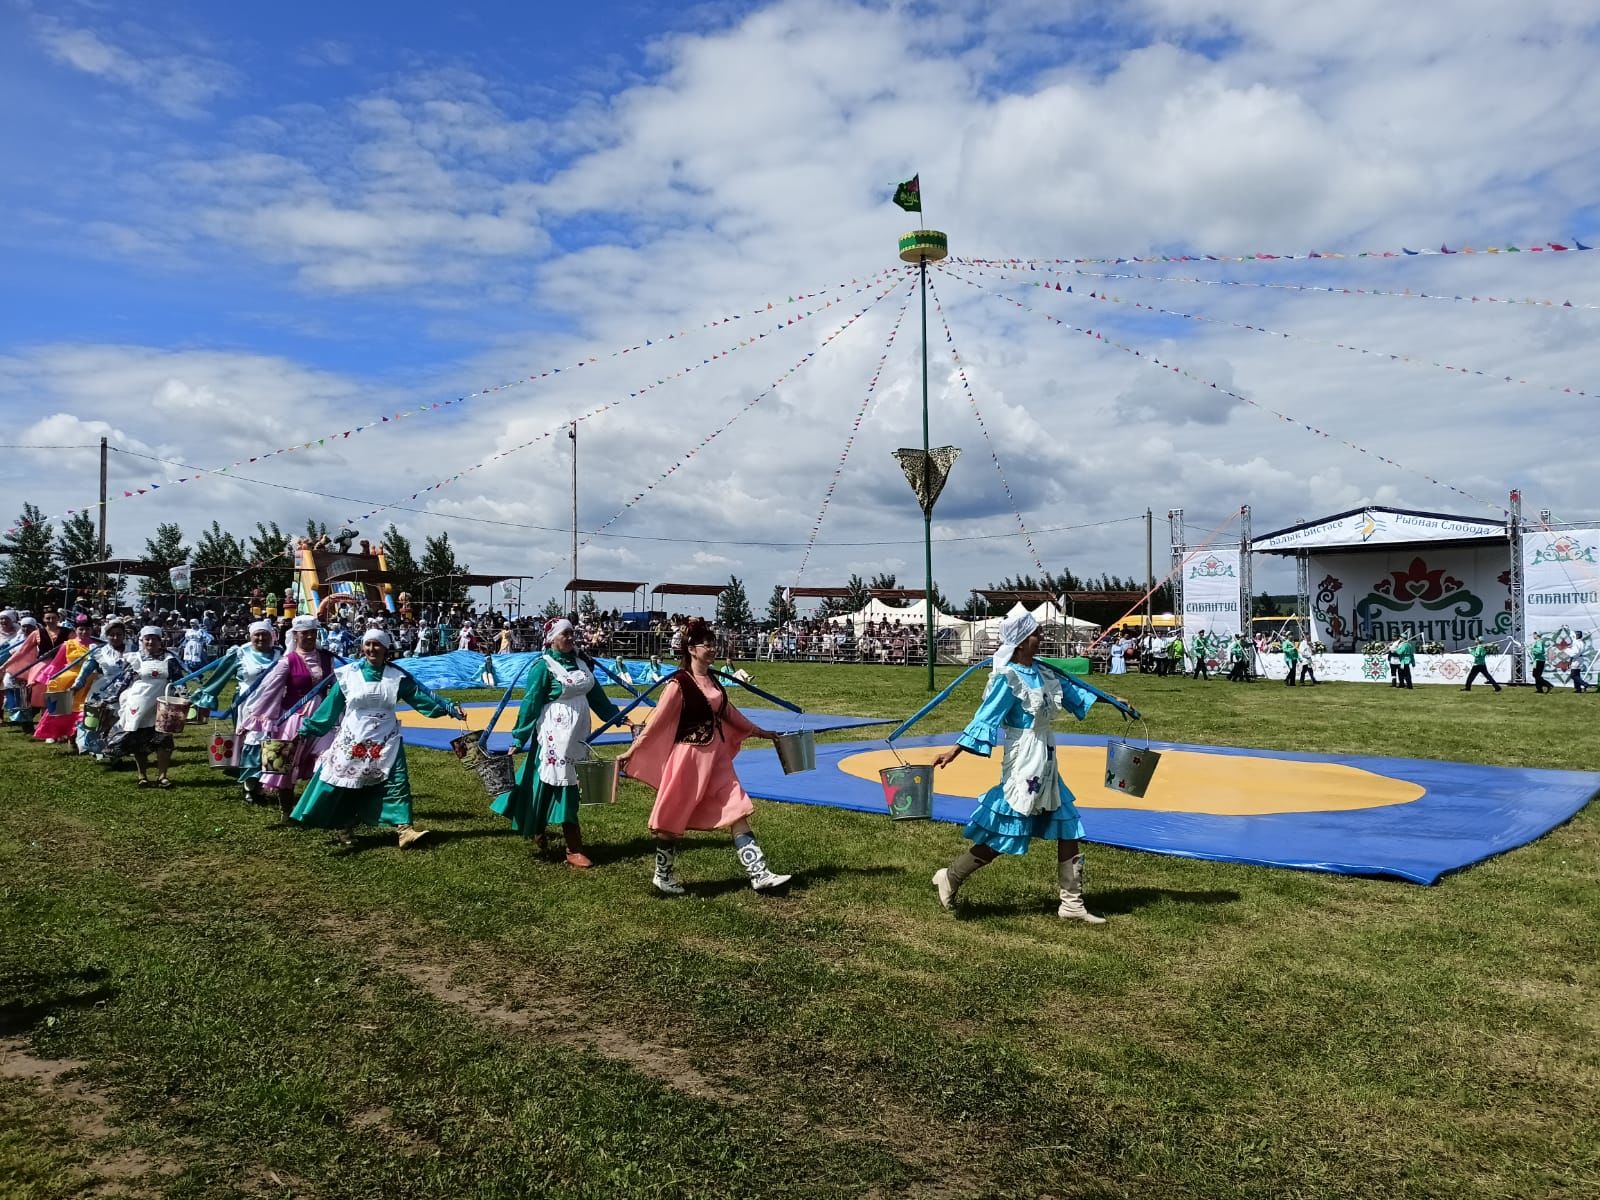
(716, 433)
(1572, 246)
(406, 413)
(1405, 294)
(1176, 370)
(972, 399)
(855, 428)
(1420, 360)
(743, 343)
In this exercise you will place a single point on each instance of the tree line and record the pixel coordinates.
(37, 561)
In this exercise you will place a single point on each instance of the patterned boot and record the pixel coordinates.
(1069, 875)
(754, 862)
(665, 878)
(948, 880)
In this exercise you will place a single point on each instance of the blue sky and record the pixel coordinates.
(228, 227)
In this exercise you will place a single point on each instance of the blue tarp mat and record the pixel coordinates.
(770, 718)
(1467, 813)
(458, 669)
(507, 667)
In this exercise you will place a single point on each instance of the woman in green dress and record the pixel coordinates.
(558, 695)
(361, 777)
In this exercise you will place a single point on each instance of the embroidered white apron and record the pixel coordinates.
(111, 664)
(136, 709)
(1028, 771)
(367, 743)
(564, 725)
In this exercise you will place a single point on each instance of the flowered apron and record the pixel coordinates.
(1028, 771)
(564, 725)
(367, 743)
(137, 707)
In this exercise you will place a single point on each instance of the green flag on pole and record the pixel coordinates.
(908, 195)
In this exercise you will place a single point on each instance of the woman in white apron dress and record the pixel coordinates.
(102, 676)
(361, 777)
(558, 694)
(245, 665)
(1030, 801)
(147, 673)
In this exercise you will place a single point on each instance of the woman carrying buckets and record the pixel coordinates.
(148, 672)
(1030, 801)
(245, 665)
(361, 777)
(686, 754)
(63, 699)
(101, 676)
(274, 712)
(558, 695)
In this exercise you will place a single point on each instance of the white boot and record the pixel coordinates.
(754, 862)
(664, 879)
(1069, 875)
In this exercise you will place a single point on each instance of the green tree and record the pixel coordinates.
(552, 608)
(588, 607)
(163, 551)
(733, 606)
(860, 595)
(401, 561)
(271, 568)
(315, 529)
(883, 581)
(219, 562)
(438, 561)
(79, 542)
(779, 608)
(1265, 606)
(30, 560)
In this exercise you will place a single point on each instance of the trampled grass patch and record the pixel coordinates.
(267, 1014)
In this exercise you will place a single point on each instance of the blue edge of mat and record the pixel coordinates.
(770, 718)
(1468, 813)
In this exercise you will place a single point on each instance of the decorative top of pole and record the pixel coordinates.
(923, 245)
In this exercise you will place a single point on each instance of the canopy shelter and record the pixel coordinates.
(1002, 598)
(468, 579)
(819, 593)
(704, 590)
(370, 572)
(623, 587)
(1103, 608)
(121, 566)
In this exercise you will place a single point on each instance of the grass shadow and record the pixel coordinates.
(1113, 902)
(62, 994)
(801, 880)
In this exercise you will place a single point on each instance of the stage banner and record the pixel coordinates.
(1211, 595)
(1450, 595)
(1378, 527)
(1561, 590)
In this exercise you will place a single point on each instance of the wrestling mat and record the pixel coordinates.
(1411, 818)
(436, 733)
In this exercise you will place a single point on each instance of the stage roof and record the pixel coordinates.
(689, 589)
(1373, 526)
(465, 578)
(890, 595)
(602, 585)
(1010, 596)
(121, 566)
(819, 593)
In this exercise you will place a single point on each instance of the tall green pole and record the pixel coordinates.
(927, 513)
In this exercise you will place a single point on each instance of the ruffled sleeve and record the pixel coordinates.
(999, 707)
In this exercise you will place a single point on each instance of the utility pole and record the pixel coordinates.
(1149, 568)
(100, 552)
(572, 598)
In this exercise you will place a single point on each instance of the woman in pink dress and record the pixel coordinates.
(686, 754)
(60, 675)
(268, 713)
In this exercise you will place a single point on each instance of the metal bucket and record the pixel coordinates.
(277, 756)
(199, 714)
(219, 751)
(97, 717)
(170, 713)
(498, 773)
(469, 749)
(908, 790)
(597, 780)
(1129, 768)
(797, 751)
(57, 704)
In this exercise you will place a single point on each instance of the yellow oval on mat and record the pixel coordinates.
(1221, 785)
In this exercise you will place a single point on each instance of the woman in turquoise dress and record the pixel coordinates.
(244, 665)
(558, 694)
(1030, 801)
(361, 778)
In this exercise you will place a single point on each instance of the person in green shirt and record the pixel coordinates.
(1240, 659)
(1539, 651)
(361, 777)
(1291, 659)
(1405, 657)
(1202, 650)
(558, 694)
(1480, 665)
(1175, 654)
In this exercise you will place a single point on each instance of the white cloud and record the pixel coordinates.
(181, 84)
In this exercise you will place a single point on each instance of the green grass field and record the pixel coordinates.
(196, 1001)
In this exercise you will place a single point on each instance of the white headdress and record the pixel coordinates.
(304, 623)
(381, 636)
(153, 631)
(1013, 632)
(555, 629)
(265, 627)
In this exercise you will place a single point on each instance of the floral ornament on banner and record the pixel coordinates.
(406, 413)
(1106, 298)
(787, 323)
(972, 399)
(855, 428)
(711, 437)
(1406, 294)
(1336, 255)
(1154, 361)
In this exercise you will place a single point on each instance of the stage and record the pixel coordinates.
(1413, 819)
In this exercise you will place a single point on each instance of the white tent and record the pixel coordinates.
(1049, 613)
